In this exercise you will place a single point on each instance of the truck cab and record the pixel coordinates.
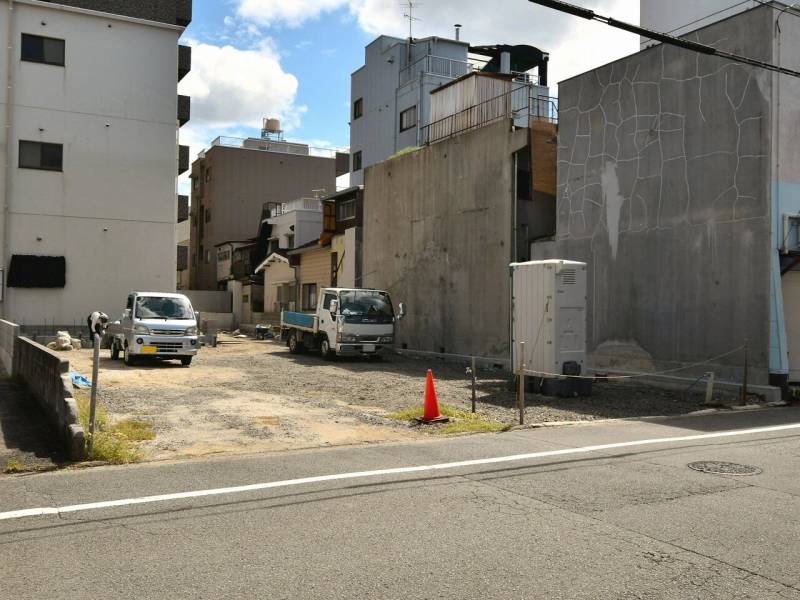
(155, 325)
(347, 322)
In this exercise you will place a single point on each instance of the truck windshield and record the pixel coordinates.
(365, 304)
(158, 307)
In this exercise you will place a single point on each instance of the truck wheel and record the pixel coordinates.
(295, 345)
(114, 350)
(186, 360)
(325, 349)
(127, 357)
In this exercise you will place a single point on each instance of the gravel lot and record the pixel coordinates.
(247, 396)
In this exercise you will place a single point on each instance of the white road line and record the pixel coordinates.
(35, 512)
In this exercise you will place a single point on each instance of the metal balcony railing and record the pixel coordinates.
(516, 104)
(435, 65)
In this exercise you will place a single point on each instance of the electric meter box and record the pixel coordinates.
(548, 313)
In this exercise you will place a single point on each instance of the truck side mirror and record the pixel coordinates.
(334, 308)
(401, 310)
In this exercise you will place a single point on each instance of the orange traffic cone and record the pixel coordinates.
(431, 412)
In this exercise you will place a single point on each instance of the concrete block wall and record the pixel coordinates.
(211, 301)
(664, 190)
(8, 335)
(46, 375)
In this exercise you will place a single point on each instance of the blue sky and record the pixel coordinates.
(321, 54)
(292, 59)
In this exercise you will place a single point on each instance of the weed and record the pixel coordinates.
(14, 466)
(113, 442)
(460, 421)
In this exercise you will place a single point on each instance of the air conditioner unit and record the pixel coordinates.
(549, 315)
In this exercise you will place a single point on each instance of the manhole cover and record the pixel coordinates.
(724, 468)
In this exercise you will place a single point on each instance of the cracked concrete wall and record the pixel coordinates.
(437, 236)
(664, 189)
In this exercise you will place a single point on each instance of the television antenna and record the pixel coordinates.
(410, 5)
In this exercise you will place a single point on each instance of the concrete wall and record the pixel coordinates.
(8, 336)
(112, 210)
(217, 321)
(46, 376)
(682, 16)
(208, 301)
(664, 190)
(441, 241)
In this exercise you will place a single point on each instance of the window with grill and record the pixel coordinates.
(346, 210)
(408, 118)
(36, 48)
(358, 108)
(40, 155)
(357, 161)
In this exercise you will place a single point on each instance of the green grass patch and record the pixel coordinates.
(113, 442)
(14, 466)
(460, 421)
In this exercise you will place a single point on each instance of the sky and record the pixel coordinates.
(292, 59)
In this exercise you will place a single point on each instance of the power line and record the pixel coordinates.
(664, 38)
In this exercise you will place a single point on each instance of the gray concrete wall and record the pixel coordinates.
(437, 236)
(46, 376)
(8, 335)
(664, 189)
(210, 301)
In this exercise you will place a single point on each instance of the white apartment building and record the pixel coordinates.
(89, 154)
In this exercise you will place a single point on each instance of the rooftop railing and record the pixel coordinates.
(435, 65)
(265, 145)
(517, 104)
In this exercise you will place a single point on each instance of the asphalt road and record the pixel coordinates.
(630, 522)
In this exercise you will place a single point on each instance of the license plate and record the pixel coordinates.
(149, 349)
(368, 348)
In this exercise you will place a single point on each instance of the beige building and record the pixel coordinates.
(234, 184)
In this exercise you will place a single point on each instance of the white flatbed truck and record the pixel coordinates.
(347, 322)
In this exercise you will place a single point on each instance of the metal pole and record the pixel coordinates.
(93, 405)
(744, 376)
(710, 387)
(473, 384)
(521, 394)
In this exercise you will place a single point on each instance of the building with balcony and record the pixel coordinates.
(238, 185)
(391, 92)
(90, 157)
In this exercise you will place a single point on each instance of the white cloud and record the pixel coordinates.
(232, 90)
(575, 45)
(232, 87)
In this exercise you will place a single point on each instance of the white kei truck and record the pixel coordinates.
(347, 322)
(155, 325)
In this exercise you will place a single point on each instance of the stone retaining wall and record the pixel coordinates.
(45, 374)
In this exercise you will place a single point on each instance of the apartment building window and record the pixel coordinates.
(208, 257)
(208, 174)
(358, 108)
(309, 296)
(357, 161)
(346, 210)
(36, 48)
(39, 155)
(408, 118)
(208, 216)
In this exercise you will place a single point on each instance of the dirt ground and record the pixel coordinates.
(251, 396)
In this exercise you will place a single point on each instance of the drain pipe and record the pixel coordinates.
(6, 166)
